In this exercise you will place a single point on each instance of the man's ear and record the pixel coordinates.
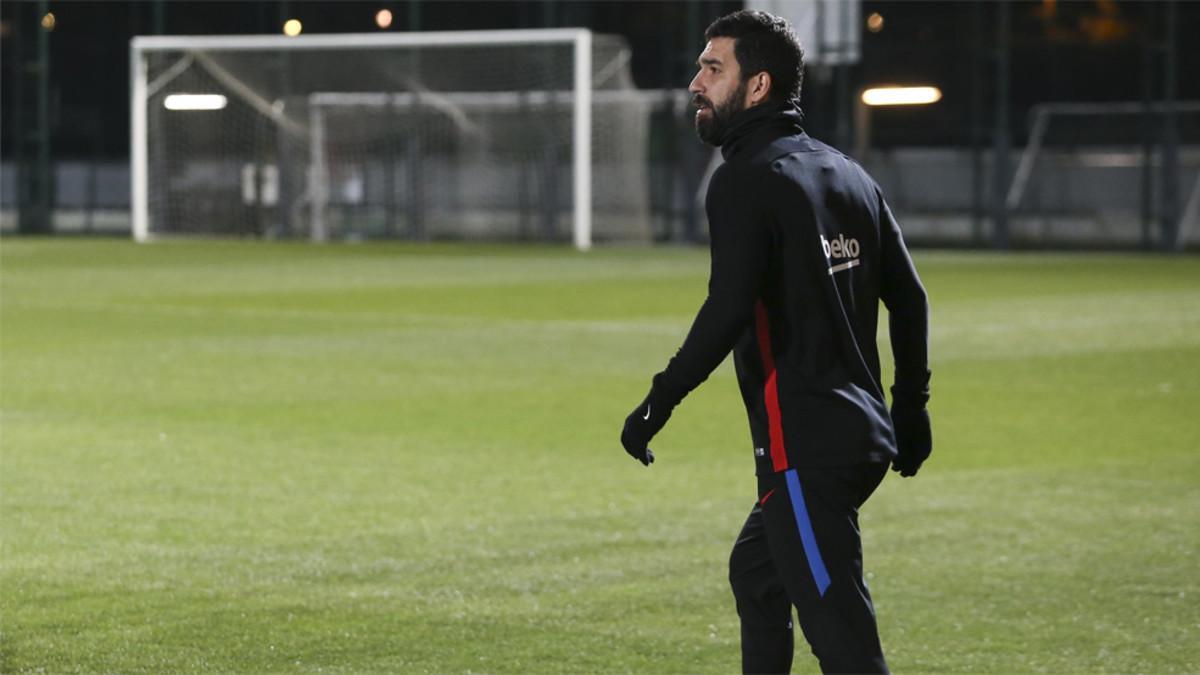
(759, 89)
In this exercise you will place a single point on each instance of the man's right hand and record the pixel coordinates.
(914, 438)
(640, 426)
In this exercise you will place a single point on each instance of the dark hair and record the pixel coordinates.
(763, 41)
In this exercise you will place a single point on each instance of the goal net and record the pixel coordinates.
(521, 135)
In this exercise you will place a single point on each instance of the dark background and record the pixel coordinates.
(1059, 51)
(64, 104)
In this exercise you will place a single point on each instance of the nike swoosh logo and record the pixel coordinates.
(647, 417)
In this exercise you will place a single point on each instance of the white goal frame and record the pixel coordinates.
(579, 38)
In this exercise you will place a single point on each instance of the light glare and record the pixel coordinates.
(48, 21)
(195, 102)
(383, 18)
(292, 27)
(901, 95)
(875, 22)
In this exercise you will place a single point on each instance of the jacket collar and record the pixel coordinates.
(770, 119)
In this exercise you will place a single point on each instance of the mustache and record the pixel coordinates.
(699, 101)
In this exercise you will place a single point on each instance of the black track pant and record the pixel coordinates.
(801, 546)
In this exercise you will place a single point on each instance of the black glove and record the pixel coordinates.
(645, 421)
(914, 439)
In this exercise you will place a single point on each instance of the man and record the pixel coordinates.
(803, 250)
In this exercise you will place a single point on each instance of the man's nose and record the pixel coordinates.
(695, 87)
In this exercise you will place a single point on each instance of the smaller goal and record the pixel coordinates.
(1090, 175)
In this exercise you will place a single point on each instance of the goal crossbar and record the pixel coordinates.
(483, 38)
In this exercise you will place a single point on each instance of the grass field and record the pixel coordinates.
(245, 457)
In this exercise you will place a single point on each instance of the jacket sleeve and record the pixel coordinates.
(740, 233)
(908, 314)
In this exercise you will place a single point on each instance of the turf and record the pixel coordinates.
(275, 457)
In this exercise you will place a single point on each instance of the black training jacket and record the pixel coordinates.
(803, 249)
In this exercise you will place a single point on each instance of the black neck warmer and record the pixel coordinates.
(781, 119)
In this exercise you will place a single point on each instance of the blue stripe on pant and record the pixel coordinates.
(788, 554)
(807, 537)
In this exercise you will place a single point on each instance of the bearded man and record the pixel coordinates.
(804, 248)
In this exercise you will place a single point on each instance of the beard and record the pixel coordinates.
(712, 127)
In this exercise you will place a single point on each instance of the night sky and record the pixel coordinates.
(1060, 51)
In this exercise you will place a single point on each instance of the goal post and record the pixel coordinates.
(269, 135)
(582, 144)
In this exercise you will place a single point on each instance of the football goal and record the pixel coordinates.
(534, 135)
(1093, 174)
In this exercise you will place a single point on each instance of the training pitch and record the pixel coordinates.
(246, 457)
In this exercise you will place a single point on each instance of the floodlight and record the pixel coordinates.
(292, 27)
(383, 18)
(195, 102)
(877, 96)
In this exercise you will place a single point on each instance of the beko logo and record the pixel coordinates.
(839, 249)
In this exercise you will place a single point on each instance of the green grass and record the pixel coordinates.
(271, 457)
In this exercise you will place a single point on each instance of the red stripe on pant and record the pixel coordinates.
(770, 389)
